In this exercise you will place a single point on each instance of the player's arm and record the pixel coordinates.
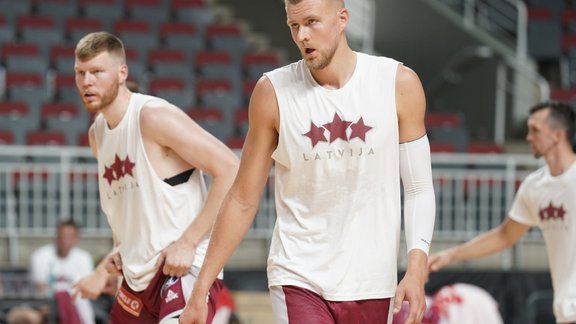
(170, 128)
(241, 203)
(92, 141)
(419, 200)
(493, 241)
(93, 284)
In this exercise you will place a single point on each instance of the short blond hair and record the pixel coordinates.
(295, 2)
(95, 43)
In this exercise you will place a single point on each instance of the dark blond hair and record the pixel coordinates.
(95, 43)
(294, 2)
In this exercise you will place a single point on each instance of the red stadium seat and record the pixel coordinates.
(205, 86)
(483, 147)
(439, 147)
(45, 138)
(13, 109)
(6, 137)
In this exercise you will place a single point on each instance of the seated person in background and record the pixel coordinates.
(55, 268)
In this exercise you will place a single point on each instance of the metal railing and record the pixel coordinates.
(41, 185)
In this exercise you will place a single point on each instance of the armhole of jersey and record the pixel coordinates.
(277, 156)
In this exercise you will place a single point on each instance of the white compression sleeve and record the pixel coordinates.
(419, 199)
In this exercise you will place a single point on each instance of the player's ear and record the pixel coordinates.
(343, 17)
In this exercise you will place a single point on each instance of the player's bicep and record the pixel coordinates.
(410, 105)
(170, 127)
(513, 230)
(261, 140)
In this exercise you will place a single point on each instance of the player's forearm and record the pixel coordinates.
(232, 224)
(203, 223)
(486, 244)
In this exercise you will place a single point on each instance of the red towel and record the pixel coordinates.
(67, 313)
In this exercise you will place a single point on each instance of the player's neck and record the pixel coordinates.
(114, 112)
(560, 160)
(339, 71)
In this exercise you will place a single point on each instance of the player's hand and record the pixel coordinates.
(177, 258)
(114, 264)
(411, 289)
(90, 286)
(196, 310)
(439, 260)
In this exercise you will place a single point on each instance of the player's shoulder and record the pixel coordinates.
(44, 252)
(535, 176)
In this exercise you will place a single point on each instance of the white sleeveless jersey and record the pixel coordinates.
(337, 182)
(145, 213)
(549, 202)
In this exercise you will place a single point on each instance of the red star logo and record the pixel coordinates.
(109, 175)
(118, 167)
(359, 129)
(316, 134)
(128, 166)
(337, 128)
(551, 212)
(560, 212)
(542, 215)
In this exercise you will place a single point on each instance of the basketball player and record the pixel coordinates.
(151, 159)
(341, 127)
(545, 199)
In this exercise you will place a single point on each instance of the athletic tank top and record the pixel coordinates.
(145, 213)
(337, 182)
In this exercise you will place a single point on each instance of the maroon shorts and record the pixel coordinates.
(165, 297)
(293, 304)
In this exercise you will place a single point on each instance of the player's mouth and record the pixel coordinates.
(88, 96)
(308, 51)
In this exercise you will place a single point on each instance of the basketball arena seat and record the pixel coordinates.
(138, 35)
(544, 38)
(41, 30)
(218, 93)
(64, 117)
(6, 137)
(255, 64)
(12, 9)
(442, 147)
(14, 119)
(175, 90)
(59, 10)
(212, 120)
(214, 65)
(30, 88)
(226, 37)
(62, 58)
(166, 63)
(45, 138)
(197, 11)
(65, 88)
(153, 11)
(183, 36)
(444, 119)
(235, 142)
(76, 28)
(484, 147)
(23, 57)
(6, 30)
(106, 11)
